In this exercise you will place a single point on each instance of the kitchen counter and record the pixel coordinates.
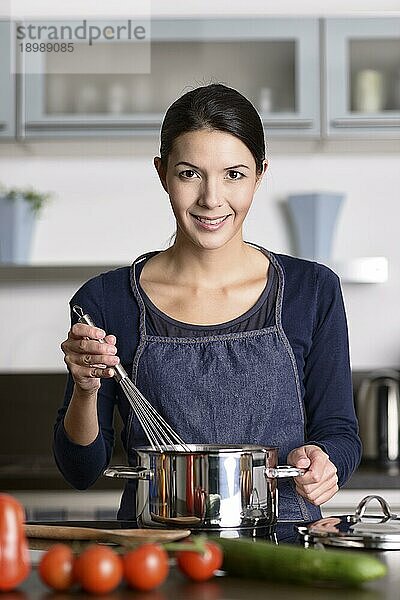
(177, 587)
(365, 477)
(229, 588)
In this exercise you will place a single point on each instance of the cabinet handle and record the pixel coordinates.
(288, 123)
(148, 124)
(366, 122)
(85, 126)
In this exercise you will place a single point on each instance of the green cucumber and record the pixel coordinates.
(265, 560)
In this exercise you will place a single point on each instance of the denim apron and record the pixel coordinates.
(234, 388)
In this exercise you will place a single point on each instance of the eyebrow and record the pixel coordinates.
(183, 162)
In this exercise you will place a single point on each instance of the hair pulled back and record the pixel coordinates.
(214, 107)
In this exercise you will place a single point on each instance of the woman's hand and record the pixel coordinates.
(320, 482)
(89, 359)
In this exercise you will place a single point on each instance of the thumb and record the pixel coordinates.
(298, 458)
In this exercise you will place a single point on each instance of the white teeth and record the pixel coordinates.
(211, 221)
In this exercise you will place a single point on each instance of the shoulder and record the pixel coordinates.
(293, 265)
(109, 279)
(308, 273)
(106, 296)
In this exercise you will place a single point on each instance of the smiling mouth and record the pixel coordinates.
(209, 221)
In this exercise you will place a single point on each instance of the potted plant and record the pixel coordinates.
(19, 208)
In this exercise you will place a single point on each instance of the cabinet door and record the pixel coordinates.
(363, 77)
(7, 83)
(274, 62)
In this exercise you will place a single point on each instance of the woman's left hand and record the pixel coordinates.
(320, 481)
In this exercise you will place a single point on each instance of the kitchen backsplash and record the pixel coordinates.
(29, 409)
(118, 196)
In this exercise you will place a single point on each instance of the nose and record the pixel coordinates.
(211, 195)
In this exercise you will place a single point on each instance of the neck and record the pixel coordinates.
(201, 267)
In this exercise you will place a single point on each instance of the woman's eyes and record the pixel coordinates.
(237, 173)
(185, 174)
(188, 174)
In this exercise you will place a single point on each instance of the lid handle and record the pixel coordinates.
(361, 508)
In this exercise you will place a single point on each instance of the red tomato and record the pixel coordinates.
(146, 567)
(99, 570)
(15, 563)
(198, 566)
(56, 567)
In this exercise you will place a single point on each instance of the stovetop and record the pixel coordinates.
(281, 533)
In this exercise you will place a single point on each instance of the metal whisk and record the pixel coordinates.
(161, 436)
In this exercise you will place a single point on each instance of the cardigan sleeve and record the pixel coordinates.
(331, 420)
(82, 465)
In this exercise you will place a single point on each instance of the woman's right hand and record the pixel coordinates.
(87, 358)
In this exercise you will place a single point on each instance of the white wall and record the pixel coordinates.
(109, 207)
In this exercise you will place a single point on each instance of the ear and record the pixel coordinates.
(161, 172)
(260, 177)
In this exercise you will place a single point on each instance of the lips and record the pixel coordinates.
(210, 221)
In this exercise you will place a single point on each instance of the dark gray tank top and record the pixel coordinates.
(257, 317)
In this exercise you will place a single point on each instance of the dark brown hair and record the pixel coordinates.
(215, 107)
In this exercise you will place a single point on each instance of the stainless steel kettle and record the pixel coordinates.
(378, 411)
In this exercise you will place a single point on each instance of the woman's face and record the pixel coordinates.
(211, 179)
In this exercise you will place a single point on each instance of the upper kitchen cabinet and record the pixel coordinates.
(362, 69)
(274, 62)
(7, 83)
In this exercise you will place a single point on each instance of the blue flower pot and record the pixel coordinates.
(314, 219)
(17, 221)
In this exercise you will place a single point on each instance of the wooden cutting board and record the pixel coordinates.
(117, 536)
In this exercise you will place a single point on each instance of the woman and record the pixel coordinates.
(232, 343)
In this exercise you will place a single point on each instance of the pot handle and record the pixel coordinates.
(361, 508)
(129, 473)
(283, 471)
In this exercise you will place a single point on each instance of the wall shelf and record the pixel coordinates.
(39, 273)
(371, 269)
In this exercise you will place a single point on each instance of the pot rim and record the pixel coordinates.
(207, 449)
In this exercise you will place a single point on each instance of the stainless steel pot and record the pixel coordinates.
(213, 487)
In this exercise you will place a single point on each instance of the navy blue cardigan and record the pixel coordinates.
(314, 320)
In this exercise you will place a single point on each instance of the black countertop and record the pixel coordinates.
(229, 588)
(177, 587)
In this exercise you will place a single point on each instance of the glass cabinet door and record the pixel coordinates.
(274, 62)
(7, 83)
(363, 77)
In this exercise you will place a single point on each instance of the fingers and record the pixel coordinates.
(91, 360)
(316, 470)
(88, 361)
(77, 344)
(299, 458)
(321, 493)
(98, 372)
(317, 461)
(90, 354)
(317, 489)
(319, 483)
(80, 330)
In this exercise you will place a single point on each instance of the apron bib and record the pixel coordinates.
(235, 388)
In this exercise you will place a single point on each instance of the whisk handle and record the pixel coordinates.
(83, 317)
